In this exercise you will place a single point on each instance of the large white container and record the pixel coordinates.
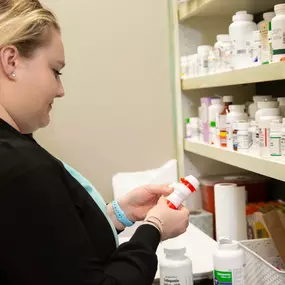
(236, 114)
(229, 263)
(263, 107)
(176, 268)
(278, 33)
(241, 34)
(252, 108)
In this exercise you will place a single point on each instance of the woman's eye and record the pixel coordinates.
(57, 73)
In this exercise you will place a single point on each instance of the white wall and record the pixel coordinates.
(117, 113)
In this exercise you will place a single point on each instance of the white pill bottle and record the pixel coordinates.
(175, 267)
(229, 263)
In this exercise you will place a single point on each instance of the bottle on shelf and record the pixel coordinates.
(275, 139)
(252, 108)
(228, 100)
(278, 33)
(264, 26)
(215, 109)
(236, 114)
(240, 31)
(203, 59)
(255, 48)
(241, 137)
(223, 51)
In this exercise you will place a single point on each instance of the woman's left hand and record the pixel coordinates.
(139, 201)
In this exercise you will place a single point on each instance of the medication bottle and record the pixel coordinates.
(263, 26)
(241, 138)
(278, 33)
(214, 138)
(216, 107)
(223, 50)
(283, 141)
(281, 101)
(255, 48)
(183, 67)
(228, 100)
(203, 59)
(175, 268)
(236, 114)
(253, 140)
(204, 114)
(229, 263)
(252, 108)
(275, 139)
(241, 34)
(182, 190)
(188, 128)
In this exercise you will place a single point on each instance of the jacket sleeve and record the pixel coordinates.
(43, 240)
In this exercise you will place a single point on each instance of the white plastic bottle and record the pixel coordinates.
(175, 268)
(252, 108)
(236, 114)
(252, 137)
(241, 138)
(241, 34)
(203, 59)
(214, 110)
(183, 67)
(278, 33)
(281, 101)
(275, 139)
(182, 191)
(255, 48)
(264, 133)
(188, 128)
(229, 263)
(263, 26)
(263, 108)
(223, 50)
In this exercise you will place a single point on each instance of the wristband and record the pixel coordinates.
(120, 215)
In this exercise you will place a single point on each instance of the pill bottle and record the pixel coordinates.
(278, 33)
(222, 123)
(252, 108)
(255, 48)
(241, 138)
(263, 26)
(182, 190)
(176, 267)
(275, 139)
(188, 128)
(229, 263)
(203, 59)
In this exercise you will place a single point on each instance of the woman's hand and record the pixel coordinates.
(137, 203)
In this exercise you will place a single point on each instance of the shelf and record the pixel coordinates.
(223, 7)
(262, 73)
(268, 167)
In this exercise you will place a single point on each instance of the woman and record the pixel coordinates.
(52, 231)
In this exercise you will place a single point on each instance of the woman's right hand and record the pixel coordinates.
(173, 222)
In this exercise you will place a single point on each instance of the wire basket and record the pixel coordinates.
(262, 261)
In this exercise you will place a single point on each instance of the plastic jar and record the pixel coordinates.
(222, 120)
(255, 48)
(176, 268)
(195, 128)
(281, 101)
(203, 59)
(252, 108)
(236, 114)
(188, 128)
(223, 50)
(229, 263)
(182, 190)
(275, 139)
(264, 133)
(278, 33)
(263, 108)
(283, 141)
(252, 137)
(241, 33)
(263, 26)
(241, 138)
(183, 67)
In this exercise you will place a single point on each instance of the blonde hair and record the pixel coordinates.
(25, 24)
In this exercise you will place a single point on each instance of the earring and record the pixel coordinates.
(13, 74)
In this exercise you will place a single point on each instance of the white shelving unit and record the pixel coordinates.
(198, 22)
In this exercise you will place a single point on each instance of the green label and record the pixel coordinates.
(223, 277)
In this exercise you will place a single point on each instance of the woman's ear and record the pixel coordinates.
(9, 57)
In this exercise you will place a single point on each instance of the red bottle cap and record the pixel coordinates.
(188, 185)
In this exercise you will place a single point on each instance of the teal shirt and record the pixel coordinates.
(94, 194)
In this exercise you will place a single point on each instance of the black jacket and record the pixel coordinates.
(52, 232)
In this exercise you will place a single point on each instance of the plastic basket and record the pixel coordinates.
(262, 261)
